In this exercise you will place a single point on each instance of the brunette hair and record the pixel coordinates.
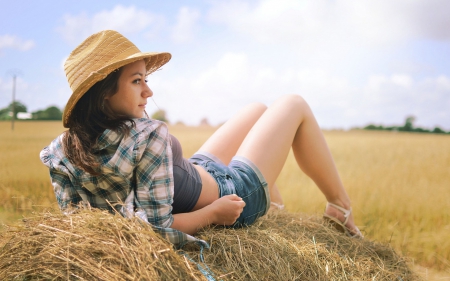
(87, 121)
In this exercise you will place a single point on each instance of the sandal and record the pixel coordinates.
(277, 206)
(341, 226)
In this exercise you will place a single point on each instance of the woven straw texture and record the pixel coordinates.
(99, 55)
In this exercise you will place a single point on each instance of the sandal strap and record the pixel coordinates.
(278, 206)
(344, 211)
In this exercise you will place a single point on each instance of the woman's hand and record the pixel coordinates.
(223, 211)
(227, 209)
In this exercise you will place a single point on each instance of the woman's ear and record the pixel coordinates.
(105, 99)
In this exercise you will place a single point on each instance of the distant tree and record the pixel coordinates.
(407, 127)
(53, 113)
(4, 114)
(438, 130)
(390, 128)
(50, 113)
(420, 130)
(160, 115)
(204, 122)
(38, 114)
(409, 124)
(18, 107)
(373, 127)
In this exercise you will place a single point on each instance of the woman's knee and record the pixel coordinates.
(294, 101)
(253, 111)
(257, 107)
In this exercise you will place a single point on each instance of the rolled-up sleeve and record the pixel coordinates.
(65, 193)
(154, 176)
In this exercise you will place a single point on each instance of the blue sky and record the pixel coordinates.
(356, 62)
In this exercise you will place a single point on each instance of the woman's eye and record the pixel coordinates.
(137, 81)
(146, 81)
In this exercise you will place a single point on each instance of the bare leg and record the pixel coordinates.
(289, 122)
(225, 142)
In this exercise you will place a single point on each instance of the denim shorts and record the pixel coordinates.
(240, 177)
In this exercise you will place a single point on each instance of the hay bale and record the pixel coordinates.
(89, 245)
(94, 245)
(285, 246)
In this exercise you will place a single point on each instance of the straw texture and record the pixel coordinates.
(94, 245)
(99, 55)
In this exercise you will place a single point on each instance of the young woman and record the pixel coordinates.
(114, 158)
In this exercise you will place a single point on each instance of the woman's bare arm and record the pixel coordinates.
(223, 211)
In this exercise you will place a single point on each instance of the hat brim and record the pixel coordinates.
(153, 62)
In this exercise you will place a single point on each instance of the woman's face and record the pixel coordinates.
(133, 91)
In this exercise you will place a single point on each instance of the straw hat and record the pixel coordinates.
(99, 55)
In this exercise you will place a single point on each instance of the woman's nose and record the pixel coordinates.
(147, 92)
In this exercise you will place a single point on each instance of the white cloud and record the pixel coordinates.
(382, 99)
(335, 48)
(13, 42)
(334, 35)
(231, 69)
(235, 80)
(327, 51)
(387, 99)
(215, 93)
(402, 80)
(316, 22)
(184, 29)
(127, 20)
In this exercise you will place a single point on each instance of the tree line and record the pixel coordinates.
(50, 113)
(54, 113)
(407, 127)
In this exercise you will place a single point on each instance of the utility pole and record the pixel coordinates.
(13, 101)
(14, 73)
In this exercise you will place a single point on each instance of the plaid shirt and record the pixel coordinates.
(136, 177)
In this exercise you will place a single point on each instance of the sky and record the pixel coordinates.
(356, 62)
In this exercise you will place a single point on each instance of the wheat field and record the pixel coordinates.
(399, 183)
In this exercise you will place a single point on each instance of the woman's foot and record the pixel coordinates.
(342, 220)
(276, 201)
(276, 206)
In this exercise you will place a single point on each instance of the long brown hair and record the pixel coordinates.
(88, 120)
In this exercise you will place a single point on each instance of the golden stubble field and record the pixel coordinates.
(399, 183)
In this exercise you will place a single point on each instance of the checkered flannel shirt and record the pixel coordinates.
(136, 177)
